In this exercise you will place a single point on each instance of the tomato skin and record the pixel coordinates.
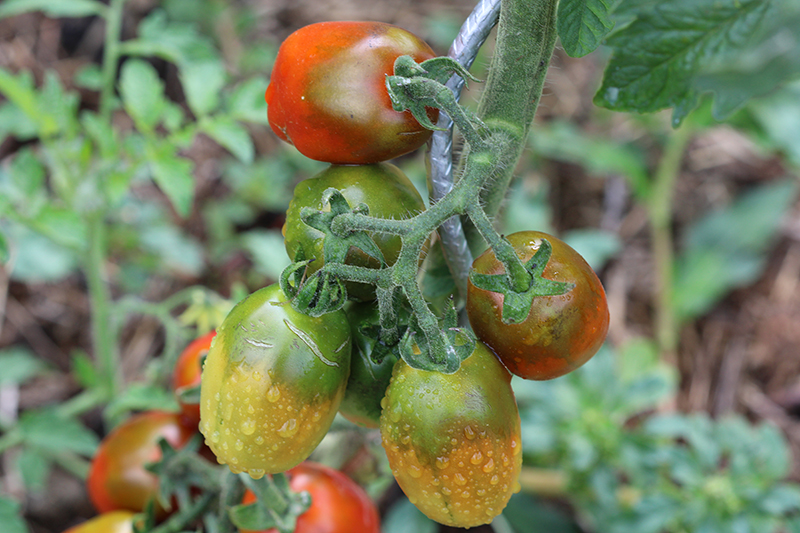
(453, 441)
(272, 383)
(338, 504)
(111, 522)
(187, 375)
(383, 187)
(117, 477)
(327, 92)
(561, 332)
(368, 380)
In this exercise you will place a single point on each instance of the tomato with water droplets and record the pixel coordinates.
(338, 504)
(453, 440)
(561, 332)
(272, 383)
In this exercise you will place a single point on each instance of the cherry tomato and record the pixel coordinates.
(272, 383)
(383, 187)
(187, 375)
(453, 440)
(368, 380)
(561, 332)
(327, 92)
(338, 504)
(117, 478)
(112, 522)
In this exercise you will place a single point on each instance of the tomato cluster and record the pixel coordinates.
(275, 377)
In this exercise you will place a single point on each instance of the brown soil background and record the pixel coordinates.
(742, 356)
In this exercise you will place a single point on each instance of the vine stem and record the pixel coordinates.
(111, 54)
(659, 207)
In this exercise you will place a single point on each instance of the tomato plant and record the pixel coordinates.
(453, 440)
(561, 332)
(187, 375)
(327, 93)
(369, 377)
(110, 522)
(272, 383)
(117, 477)
(338, 504)
(383, 187)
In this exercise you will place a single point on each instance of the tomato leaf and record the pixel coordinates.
(142, 93)
(11, 516)
(49, 431)
(142, 397)
(583, 24)
(203, 82)
(658, 56)
(173, 175)
(231, 136)
(18, 365)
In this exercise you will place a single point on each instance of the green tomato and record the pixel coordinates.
(453, 440)
(272, 383)
(368, 380)
(383, 187)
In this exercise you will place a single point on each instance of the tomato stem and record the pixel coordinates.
(111, 54)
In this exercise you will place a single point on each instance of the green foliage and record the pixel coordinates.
(53, 8)
(633, 471)
(583, 24)
(404, 517)
(675, 50)
(10, 516)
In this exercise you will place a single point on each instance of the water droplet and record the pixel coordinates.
(289, 428)
(489, 466)
(384, 402)
(250, 409)
(446, 491)
(481, 492)
(217, 396)
(495, 480)
(239, 445)
(469, 432)
(442, 463)
(257, 377)
(516, 487)
(395, 415)
(248, 427)
(259, 440)
(273, 394)
(215, 437)
(415, 471)
(405, 439)
(257, 473)
(476, 458)
(460, 479)
(465, 494)
(454, 441)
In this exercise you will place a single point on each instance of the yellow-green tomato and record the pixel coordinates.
(453, 441)
(272, 383)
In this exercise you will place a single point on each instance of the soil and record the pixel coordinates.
(740, 357)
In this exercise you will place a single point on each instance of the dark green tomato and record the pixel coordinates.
(383, 187)
(368, 380)
(561, 332)
(272, 383)
(453, 441)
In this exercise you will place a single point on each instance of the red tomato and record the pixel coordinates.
(327, 93)
(187, 375)
(117, 477)
(338, 504)
(561, 332)
(113, 522)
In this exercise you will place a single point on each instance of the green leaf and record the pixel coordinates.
(524, 510)
(177, 42)
(658, 56)
(173, 175)
(596, 246)
(404, 517)
(14, 122)
(34, 468)
(202, 83)
(90, 77)
(583, 24)
(37, 259)
(84, 370)
(53, 8)
(727, 248)
(18, 365)
(246, 102)
(11, 516)
(231, 136)
(268, 251)
(20, 90)
(778, 116)
(142, 397)
(178, 251)
(4, 251)
(47, 430)
(27, 173)
(62, 226)
(142, 93)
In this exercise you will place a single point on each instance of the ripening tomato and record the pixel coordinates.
(453, 440)
(327, 93)
(272, 383)
(561, 332)
(383, 187)
(368, 380)
(113, 522)
(187, 375)
(338, 504)
(117, 477)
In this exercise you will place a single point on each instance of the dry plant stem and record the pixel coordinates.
(660, 210)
